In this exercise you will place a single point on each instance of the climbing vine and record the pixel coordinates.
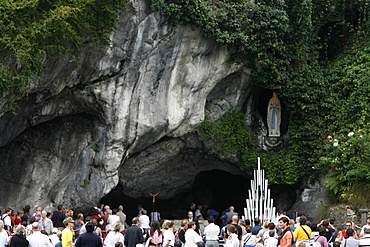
(298, 49)
(32, 31)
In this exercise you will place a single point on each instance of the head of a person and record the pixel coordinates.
(325, 223)
(60, 208)
(89, 227)
(256, 222)
(348, 224)
(144, 212)
(190, 214)
(191, 225)
(109, 211)
(165, 224)
(332, 220)
(271, 233)
(117, 226)
(120, 208)
(184, 224)
(170, 224)
(271, 226)
(70, 213)
(350, 232)
(139, 206)
(241, 222)
(247, 222)
(200, 244)
(280, 212)
(303, 220)
(193, 205)
(31, 219)
(27, 208)
(248, 229)
(43, 214)
(323, 231)
(20, 213)
(35, 226)
(235, 219)
(231, 229)
(135, 220)
(155, 226)
(8, 211)
(283, 222)
(80, 216)
(94, 221)
(68, 221)
(20, 230)
(231, 208)
(210, 219)
(291, 222)
(118, 244)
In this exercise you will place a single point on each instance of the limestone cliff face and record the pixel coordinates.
(117, 114)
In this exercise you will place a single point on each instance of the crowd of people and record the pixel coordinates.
(107, 227)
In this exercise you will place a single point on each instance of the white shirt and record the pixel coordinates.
(211, 231)
(249, 239)
(271, 242)
(365, 240)
(168, 236)
(37, 239)
(197, 214)
(3, 238)
(110, 222)
(112, 238)
(144, 221)
(192, 238)
(233, 242)
(6, 219)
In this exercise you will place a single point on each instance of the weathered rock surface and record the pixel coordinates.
(124, 114)
(74, 135)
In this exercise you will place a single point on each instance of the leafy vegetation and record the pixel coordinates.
(35, 30)
(314, 54)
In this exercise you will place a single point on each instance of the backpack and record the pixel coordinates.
(3, 220)
(156, 238)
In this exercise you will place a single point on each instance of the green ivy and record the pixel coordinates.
(35, 30)
(298, 48)
(233, 137)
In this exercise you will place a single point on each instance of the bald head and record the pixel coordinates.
(235, 219)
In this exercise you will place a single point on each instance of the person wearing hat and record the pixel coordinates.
(67, 233)
(88, 239)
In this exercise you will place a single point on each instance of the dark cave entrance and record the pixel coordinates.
(217, 189)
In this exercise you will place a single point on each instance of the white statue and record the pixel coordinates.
(274, 116)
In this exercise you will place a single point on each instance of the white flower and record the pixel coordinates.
(361, 136)
(351, 133)
(336, 143)
(329, 137)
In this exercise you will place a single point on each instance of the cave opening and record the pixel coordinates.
(217, 189)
